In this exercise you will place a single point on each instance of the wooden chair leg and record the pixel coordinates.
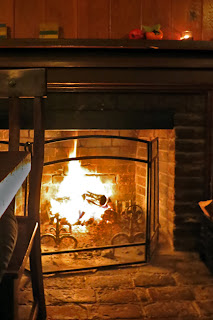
(37, 277)
(34, 206)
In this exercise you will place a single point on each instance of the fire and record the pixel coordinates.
(80, 196)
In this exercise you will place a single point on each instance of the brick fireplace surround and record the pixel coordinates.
(149, 89)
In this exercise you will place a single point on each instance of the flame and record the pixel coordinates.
(69, 201)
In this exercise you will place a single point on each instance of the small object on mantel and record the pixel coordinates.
(49, 31)
(3, 31)
(136, 34)
(207, 208)
(186, 35)
(14, 168)
(153, 32)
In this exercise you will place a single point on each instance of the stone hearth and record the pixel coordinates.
(173, 286)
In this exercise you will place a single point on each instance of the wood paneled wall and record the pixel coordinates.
(111, 19)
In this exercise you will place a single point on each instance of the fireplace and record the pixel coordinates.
(143, 92)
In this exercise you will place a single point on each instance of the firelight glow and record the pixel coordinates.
(69, 201)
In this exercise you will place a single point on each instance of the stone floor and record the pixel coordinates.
(173, 286)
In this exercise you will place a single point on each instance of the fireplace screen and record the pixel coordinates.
(99, 205)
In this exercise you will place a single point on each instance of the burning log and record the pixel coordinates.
(99, 200)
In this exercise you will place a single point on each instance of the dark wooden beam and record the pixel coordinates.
(105, 53)
(109, 44)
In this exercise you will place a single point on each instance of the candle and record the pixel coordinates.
(186, 35)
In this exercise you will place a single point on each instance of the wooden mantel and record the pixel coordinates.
(108, 44)
(94, 65)
(106, 53)
(116, 64)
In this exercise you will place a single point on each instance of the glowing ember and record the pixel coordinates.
(81, 196)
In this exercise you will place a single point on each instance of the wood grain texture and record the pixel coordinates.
(207, 31)
(108, 18)
(187, 15)
(93, 19)
(63, 13)
(154, 12)
(28, 16)
(125, 16)
(7, 15)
